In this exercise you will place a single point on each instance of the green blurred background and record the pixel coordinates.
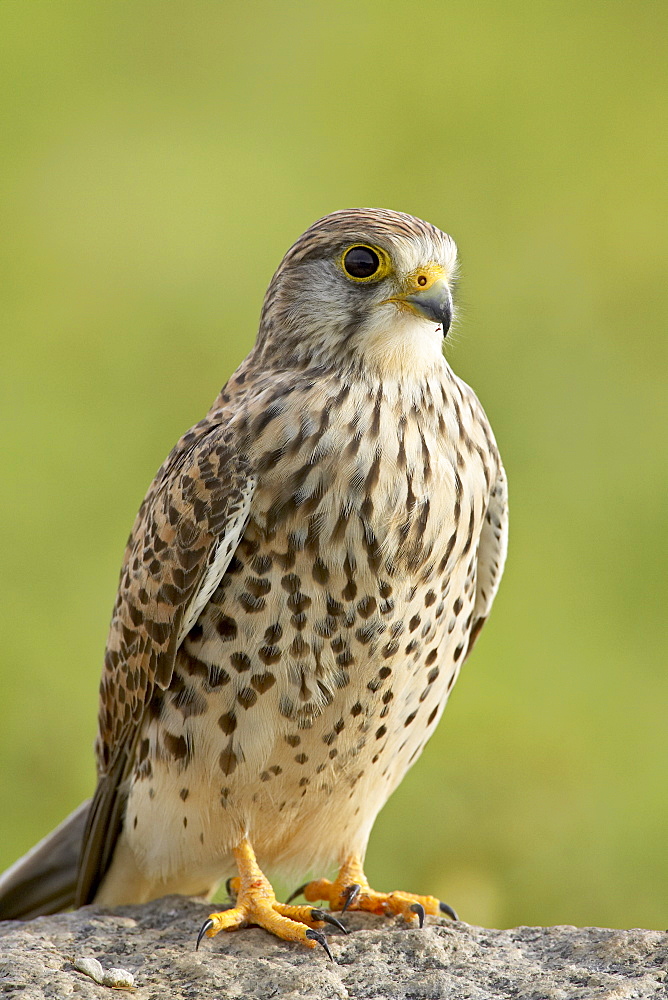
(157, 159)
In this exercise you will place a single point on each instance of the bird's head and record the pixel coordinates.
(361, 286)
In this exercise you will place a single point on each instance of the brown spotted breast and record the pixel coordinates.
(322, 661)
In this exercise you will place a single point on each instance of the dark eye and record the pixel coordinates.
(361, 262)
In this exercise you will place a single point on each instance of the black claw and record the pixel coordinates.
(328, 918)
(444, 908)
(297, 892)
(419, 909)
(351, 894)
(206, 926)
(315, 935)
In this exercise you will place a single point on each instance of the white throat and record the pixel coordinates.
(402, 343)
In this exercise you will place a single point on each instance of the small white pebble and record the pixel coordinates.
(90, 967)
(119, 979)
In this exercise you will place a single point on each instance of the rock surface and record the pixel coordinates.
(379, 958)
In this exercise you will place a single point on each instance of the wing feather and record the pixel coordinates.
(492, 550)
(183, 539)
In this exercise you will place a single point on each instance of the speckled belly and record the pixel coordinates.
(302, 695)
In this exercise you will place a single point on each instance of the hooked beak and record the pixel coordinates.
(433, 303)
(428, 295)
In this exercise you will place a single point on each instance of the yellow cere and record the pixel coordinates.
(423, 278)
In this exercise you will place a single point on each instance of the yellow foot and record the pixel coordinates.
(351, 891)
(257, 904)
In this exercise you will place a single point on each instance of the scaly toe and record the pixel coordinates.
(290, 923)
(226, 920)
(351, 891)
(256, 905)
(409, 905)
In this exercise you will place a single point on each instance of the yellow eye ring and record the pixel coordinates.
(363, 263)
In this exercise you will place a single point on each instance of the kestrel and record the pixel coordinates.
(306, 576)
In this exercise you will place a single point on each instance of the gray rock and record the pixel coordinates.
(91, 951)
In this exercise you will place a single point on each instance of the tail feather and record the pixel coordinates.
(44, 880)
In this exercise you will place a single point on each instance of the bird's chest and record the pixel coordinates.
(348, 539)
(377, 503)
(334, 637)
